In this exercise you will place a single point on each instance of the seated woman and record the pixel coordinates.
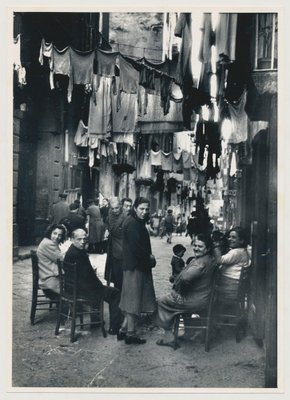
(191, 289)
(48, 253)
(232, 262)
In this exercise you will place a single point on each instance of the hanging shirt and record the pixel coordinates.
(239, 120)
(124, 119)
(166, 161)
(186, 159)
(81, 69)
(61, 61)
(105, 63)
(155, 157)
(21, 71)
(45, 51)
(183, 29)
(100, 120)
(177, 162)
(129, 76)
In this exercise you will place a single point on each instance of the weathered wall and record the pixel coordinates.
(138, 34)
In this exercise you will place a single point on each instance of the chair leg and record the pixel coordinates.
(102, 319)
(33, 311)
(175, 330)
(73, 324)
(59, 311)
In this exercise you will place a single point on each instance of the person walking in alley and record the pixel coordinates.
(191, 290)
(138, 295)
(113, 269)
(90, 287)
(59, 210)
(48, 252)
(169, 225)
(96, 226)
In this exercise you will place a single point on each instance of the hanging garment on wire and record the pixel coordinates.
(181, 141)
(239, 120)
(186, 159)
(129, 76)
(21, 71)
(81, 136)
(177, 162)
(124, 119)
(183, 29)
(61, 61)
(233, 167)
(226, 33)
(166, 161)
(81, 69)
(105, 63)
(100, 113)
(155, 158)
(45, 51)
(145, 167)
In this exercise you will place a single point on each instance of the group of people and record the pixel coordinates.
(129, 268)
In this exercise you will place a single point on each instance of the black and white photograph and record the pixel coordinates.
(144, 200)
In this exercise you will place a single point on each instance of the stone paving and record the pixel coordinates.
(41, 359)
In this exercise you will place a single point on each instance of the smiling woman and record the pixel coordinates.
(191, 289)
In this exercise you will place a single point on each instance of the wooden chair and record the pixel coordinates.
(40, 300)
(201, 321)
(233, 311)
(73, 306)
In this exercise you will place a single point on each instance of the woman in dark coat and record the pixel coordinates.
(138, 295)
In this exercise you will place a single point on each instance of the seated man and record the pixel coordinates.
(90, 287)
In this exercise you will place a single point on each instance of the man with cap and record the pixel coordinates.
(73, 220)
(59, 210)
(177, 263)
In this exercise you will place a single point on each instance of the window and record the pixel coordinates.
(266, 51)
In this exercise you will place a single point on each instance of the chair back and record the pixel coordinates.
(68, 279)
(35, 268)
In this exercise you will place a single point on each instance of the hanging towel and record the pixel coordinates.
(124, 119)
(129, 76)
(181, 141)
(61, 61)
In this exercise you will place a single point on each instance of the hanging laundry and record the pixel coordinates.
(169, 40)
(129, 76)
(186, 159)
(155, 157)
(61, 61)
(233, 167)
(45, 51)
(21, 71)
(100, 113)
(145, 167)
(81, 136)
(181, 141)
(239, 120)
(146, 78)
(177, 162)
(205, 53)
(237, 78)
(105, 62)
(124, 119)
(166, 161)
(165, 85)
(183, 30)
(226, 32)
(81, 69)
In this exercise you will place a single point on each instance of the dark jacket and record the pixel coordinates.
(177, 265)
(89, 284)
(136, 245)
(73, 221)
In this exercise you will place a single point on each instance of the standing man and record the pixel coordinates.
(96, 227)
(127, 205)
(90, 287)
(59, 210)
(73, 220)
(116, 218)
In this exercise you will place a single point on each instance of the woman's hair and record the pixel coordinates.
(52, 227)
(241, 233)
(206, 239)
(140, 200)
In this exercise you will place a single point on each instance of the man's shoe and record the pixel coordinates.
(134, 340)
(121, 335)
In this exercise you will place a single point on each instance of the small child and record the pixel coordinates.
(177, 262)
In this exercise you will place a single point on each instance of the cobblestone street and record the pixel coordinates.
(41, 359)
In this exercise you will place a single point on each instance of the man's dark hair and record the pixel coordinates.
(126, 199)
